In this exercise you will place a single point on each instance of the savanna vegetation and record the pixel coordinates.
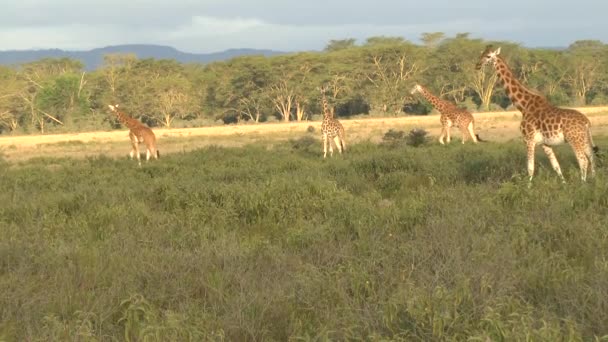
(373, 78)
(402, 240)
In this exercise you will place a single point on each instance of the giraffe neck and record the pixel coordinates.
(441, 105)
(524, 99)
(125, 119)
(328, 114)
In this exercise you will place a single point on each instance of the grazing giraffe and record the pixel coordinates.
(543, 122)
(331, 128)
(138, 133)
(451, 115)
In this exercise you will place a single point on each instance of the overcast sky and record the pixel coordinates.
(289, 25)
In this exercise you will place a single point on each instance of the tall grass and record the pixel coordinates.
(385, 242)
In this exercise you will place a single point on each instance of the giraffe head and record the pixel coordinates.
(417, 89)
(113, 108)
(488, 55)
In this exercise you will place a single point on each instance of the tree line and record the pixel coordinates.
(372, 78)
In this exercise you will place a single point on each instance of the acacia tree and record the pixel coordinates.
(391, 71)
(291, 83)
(483, 83)
(9, 100)
(247, 98)
(173, 99)
(149, 83)
(36, 76)
(454, 71)
(545, 70)
(586, 60)
(282, 95)
(114, 68)
(340, 44)
(64, 96)
(432, 39)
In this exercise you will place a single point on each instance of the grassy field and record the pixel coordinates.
(495, 126)
(269, 242)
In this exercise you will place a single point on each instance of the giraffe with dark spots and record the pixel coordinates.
(543, 122)
(138, 133)
(331, 128)
(451, 115)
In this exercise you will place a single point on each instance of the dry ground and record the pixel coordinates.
(494, 126)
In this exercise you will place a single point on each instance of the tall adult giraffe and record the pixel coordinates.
(451, 115)
(331, 128)
(543, 122)
(138, 133)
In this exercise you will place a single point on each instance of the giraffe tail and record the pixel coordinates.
(157, 154)
(594, 147)
(479, 139)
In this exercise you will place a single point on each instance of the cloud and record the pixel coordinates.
(210, 26)
(213, 25)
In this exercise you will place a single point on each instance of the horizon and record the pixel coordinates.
(358, 43)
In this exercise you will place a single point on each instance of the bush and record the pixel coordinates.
(417, 137)
(393, 135)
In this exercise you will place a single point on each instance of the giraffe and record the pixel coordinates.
(543, 122)
(451, 115)
(138, 133)
(331, 128)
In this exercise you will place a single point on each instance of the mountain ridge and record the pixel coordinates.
(93, 58)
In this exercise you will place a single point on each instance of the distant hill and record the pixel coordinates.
(92, 59)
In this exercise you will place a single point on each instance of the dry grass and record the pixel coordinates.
(493, 126)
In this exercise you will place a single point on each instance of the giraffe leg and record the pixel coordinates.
(581, 154)
(590, 159)
(554, 163)
(331, 148)
(583, 163)
(324, 145)
(338, 142)
(148, 154)
(448, 136)
(442, 135)
(342, 141)
(465, 134)
(133, 145)
(530, 147)
(137, 154)
(471, 130)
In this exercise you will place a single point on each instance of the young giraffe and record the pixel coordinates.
(331, 128)
(138, 133)
(451, 115)
(543, 122)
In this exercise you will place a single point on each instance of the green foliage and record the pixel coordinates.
(277, 243)
(341, 44)
(372, 78)
(63, 98)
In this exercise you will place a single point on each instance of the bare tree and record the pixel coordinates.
(283, 97)
(389, 78)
